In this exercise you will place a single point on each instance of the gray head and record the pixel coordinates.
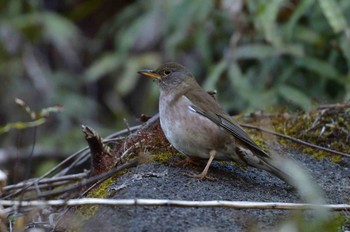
(169, 75)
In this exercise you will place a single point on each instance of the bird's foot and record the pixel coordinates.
(201, 176)
(186, 162)
(205, 171)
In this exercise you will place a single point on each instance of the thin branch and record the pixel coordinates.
(78, 157)
(51, 171)
(295, 139)
(46, 183)
(86, 182)
(177, 203)
(63, 163)
(83, 157)
(73, 177)
(337, 105)
(122, 132)
(127, 152)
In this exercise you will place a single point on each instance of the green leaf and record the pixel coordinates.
(235, 73)
(345, 48)
(254, 51)
(263, 51)
(300, 10)
(334, 15)
(267, 18)
(57, 28)
(308, 35)
(294, 95)
(215, 74)
(102, 66)
(52, 109)
(50, 27)
(128, 79)
(21, 125)
(320, 67)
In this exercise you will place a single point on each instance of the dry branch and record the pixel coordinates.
(294, 139)
(177, 203)
(73, 177)
(89, 181)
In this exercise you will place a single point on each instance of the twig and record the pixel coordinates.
(121, 132)
(177, 203)
(79, 156)
(337, 105)
(61, 164)
(72, 177)
(85, 151)
(37, 186)
(127, 125)
(126, 153)
(294, 139)
(113, 140)
(89, 181)
(84, 156)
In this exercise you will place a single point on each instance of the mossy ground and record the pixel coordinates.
(326, 127)
(80, 214)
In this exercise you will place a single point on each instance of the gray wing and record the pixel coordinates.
(233, 127)
(205, 106)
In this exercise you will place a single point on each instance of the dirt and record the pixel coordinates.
(160, 181)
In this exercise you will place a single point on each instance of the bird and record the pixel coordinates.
(197, 126)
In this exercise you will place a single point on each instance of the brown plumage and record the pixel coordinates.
(197, 126)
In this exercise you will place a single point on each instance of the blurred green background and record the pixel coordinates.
(84, 55)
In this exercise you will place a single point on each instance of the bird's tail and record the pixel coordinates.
(274, 165)
(292, 173)
(276, 168)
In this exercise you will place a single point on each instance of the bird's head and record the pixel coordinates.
(169, 75)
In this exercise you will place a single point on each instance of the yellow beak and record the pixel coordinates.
(150, 73)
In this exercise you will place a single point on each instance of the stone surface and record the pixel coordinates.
(232, 183)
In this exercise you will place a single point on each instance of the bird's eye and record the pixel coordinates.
(166, 72)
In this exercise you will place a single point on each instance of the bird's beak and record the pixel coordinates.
(150, 73)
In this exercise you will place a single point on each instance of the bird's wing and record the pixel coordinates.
(223, 120)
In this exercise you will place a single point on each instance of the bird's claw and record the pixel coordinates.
(199, 176)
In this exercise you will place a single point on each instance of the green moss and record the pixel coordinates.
(260, 141)
(82, 213)
(100, 191)
(298, 222)
(166, 157)
(327, 128)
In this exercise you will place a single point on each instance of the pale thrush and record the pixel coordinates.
(197, 126)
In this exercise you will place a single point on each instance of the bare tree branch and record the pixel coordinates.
(86, 182)
(53, 180)
(176, 203)
(294, 139)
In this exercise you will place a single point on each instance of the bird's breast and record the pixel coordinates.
(191, 133)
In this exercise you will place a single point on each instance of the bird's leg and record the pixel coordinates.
(187, 161)
(201, 176)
